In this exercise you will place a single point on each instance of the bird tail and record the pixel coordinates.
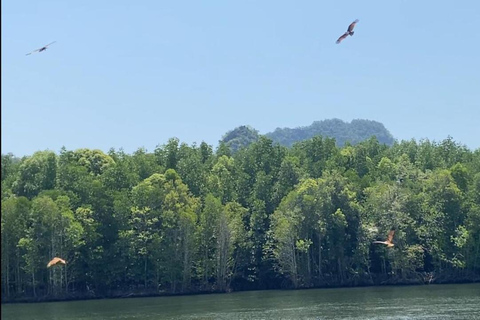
(351, 33)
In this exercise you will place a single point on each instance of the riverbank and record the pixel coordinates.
(419, 279)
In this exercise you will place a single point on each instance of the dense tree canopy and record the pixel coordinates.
(186, 219)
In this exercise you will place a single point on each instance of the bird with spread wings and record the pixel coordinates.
(41, 49)
(56, 261)
(349, 32)
(389, 241)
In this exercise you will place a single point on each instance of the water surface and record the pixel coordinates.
(406, 302)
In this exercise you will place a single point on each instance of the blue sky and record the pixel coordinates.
(131, 74)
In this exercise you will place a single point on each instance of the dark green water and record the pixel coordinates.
(412, 302)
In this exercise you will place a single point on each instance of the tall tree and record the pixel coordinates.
(36, 173)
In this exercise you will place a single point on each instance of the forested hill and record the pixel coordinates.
(187, 219)
(240, 137)
(354, 132)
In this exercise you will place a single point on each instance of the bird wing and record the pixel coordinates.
(50, 43)
(54, 261)
(390, 235)
(382, 242)
(33, 52)
(352, 25)
(343, 36)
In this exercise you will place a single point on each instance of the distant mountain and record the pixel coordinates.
(354, 132)
(240, 137)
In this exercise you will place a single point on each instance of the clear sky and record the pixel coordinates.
(131, 74)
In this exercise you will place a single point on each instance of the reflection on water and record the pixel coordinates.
(412, 302)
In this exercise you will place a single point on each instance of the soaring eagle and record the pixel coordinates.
(389, 240)
(41, 49)
(349, 32)
(56, 261)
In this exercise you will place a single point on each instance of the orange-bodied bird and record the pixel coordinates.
(389, 242)
(349, 32)
(56, 261)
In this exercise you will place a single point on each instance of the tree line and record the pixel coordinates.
(188, 219)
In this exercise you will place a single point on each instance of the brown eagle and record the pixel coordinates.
(349, 32)
(389, 240)
(56, 261)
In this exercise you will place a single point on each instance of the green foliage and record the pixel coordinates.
(36, 173)
(221, 182)
(95, 161)
(187, 219)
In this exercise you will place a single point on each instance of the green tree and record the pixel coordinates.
(14, 220)
(221, 180)
(36, 173)
(207, 233)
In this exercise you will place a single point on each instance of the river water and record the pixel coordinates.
(394, 302)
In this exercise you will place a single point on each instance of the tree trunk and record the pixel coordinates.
(205, 266)
(145, 272)
(33, 284)
(66, 281)
(7, 272)
(186, 264)
(18, 280)
(477, 252)
(294, 266)
(320, 270)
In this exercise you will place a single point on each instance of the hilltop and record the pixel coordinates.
(343, 132)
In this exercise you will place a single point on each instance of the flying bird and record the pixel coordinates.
(56, 261)
(41, 49)
(349, 32)
(389, 240)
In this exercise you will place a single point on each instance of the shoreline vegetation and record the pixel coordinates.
(185, 219)
(422, 279)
